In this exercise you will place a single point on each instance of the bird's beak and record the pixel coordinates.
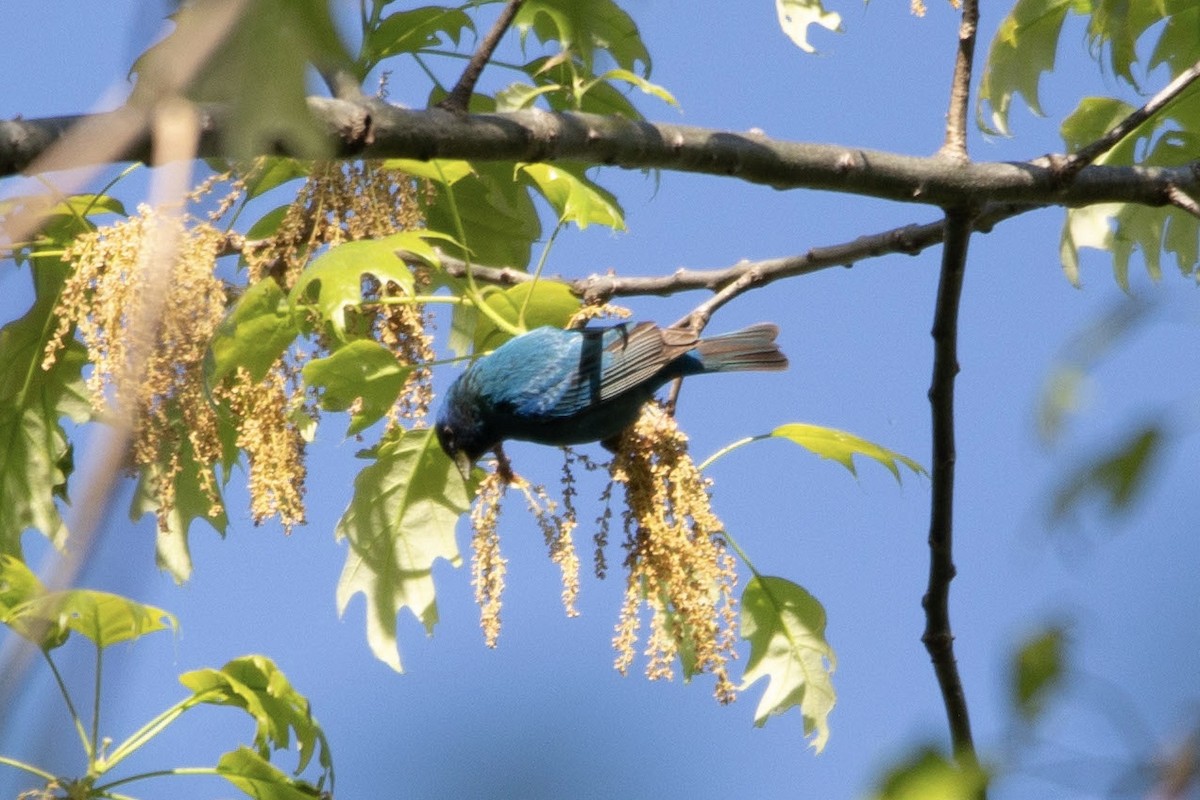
(464, 464)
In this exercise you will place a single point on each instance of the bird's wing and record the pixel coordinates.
(615, 360)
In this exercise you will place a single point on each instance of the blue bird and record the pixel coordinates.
(561, 387)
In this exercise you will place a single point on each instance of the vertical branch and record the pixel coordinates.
(955, 144)
(460, 95)
(938, 637)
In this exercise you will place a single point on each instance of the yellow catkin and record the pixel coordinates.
(917, 7)
(676, 557)
(556, 531)
(487, 565)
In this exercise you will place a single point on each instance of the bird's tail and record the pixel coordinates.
(750, 348)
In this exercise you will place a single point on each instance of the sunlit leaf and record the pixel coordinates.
(585, 28)
(545, 303)
(498, 217)
(574, 196)
(361, 370)
(929, 775)
(258, 687)
(412, 31)
(262, 780)
(254, 334)
(517, 96)
(841, 447)
(795, 17)
(398, 524)
(1024, 48)
(442, 170)
(1114, 29)
(1117, 475)
(639, 82)
(18, 584)
(785, 626)
(333, 282)
(37, 458)
(1037, 670)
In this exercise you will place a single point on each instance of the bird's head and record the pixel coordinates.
(461, 431)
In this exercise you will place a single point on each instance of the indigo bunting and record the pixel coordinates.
(561, 387)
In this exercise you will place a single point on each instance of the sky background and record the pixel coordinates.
(544, 715)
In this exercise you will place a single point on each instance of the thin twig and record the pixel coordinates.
(908, 239)
(460, 95)
(938, 638)
(1181, 199)
(1086, 155)
(954, 146)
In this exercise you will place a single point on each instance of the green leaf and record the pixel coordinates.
(1116, 26)
(254, 684)
(1024, 48)
(549, 303)
(1037, 670)
(266, 225)
(1117, 475)
(362, 369)
(446, 171)
(333, 281)
(272, 172)
(795, 17)
(929, 775)
(48, 618)
(37, 455)
(498, 217)
(842, 447)
(413, 31)
(785, 626)
(1178, 46)
(400, 521)
(584, 28)
(258, 72)
(641, 83)
(255, 333)
(260, 779)
(575, 198)
(518, 96)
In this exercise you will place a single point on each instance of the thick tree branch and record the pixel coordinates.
(938, 637)
(460, 95)
(728, 282)
(955, 145)
(378, 130)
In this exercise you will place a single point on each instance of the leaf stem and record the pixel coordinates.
(537, 272)
(30, 768)
(156, 774)
(729, 448)
(96, 700)
(75, 718)
(151, 729)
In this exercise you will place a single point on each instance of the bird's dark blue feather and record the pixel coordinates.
(562, 387)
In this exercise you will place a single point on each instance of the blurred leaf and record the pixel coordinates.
(398, 524)
(362, 369)
(333, 281)
(255, 685)
(842, 447)
(1178, 47)
(549, 303)
(48, 618)
(37, 457)
(262, 780)
(1117, 475)
(1023, 49)
(255, 333)
(574, 196)
(1037, 670)
(785, 626)
(1115, 26)
(258, 70)
(498, 217)
(795, 16)
(412, 31)
(929, 775)
(584, 28)
(270, 172)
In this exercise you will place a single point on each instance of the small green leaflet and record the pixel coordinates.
(262, 780)
(574, 197)
(254, 334)
(830, 443)
(254, 684)
(795, 16)
(785, 626)
(1116, 475)
(1037, 669)
(411, 32)
(361, 369)
(446, 171)
(400, 521)
(584, 28)
(48, 618)
(544, 303)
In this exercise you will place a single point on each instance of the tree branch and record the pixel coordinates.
(955, 145)
(379, 130)
(460, 95)
(728, 282)
(938, 637)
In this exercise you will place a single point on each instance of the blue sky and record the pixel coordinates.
(544, 715)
